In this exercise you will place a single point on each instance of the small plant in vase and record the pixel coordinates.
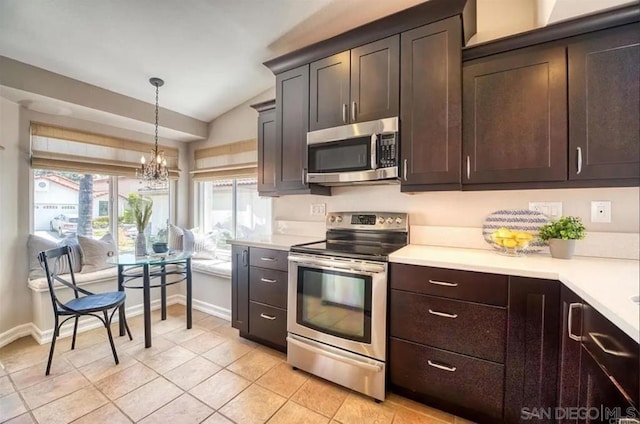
(142, 208)
(562, 235)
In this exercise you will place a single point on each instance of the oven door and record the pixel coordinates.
(340, 302)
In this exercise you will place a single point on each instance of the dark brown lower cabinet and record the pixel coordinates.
(532, 348)
(448, 380)
(240, 288)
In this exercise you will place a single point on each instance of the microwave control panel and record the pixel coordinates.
(387, 150)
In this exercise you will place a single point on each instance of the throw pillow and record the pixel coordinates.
(36, 244)
(96, 252)
(174, 241)
(201, 245)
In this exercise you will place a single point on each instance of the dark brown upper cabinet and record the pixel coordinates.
(292, 125)
(267, 147)
(515, 117)
(356, 86)
(375, 80)
(604, 105)
(330, 91)
(431, 106)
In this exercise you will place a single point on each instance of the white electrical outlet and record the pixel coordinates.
(601, 211)
(318, 209)
(551, 209)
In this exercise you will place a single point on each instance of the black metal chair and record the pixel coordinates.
(88, 304)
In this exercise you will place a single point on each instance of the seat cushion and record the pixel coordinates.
(216, 267)
(94, 302)
(40, 284)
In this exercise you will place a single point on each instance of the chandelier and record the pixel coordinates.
(153, 173)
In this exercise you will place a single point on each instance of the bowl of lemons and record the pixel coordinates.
(510, 242)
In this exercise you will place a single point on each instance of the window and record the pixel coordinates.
(232, 209)
(68, 203)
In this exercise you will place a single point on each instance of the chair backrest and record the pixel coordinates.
(51, 262)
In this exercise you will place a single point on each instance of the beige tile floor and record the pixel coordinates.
(204, 375)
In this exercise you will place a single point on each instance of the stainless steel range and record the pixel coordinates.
(337, 320)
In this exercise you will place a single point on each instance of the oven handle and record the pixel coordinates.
(337, 357)
(328, 265)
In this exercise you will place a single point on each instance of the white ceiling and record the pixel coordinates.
(209, 52)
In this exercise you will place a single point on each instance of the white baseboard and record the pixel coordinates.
(89, 323)
(15, 333)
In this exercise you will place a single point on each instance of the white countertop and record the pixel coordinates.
(276, 241)
(606, 284)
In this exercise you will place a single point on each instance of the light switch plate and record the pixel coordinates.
(551, 209)
(601, 211)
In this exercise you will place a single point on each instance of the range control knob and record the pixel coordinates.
(398, 220)
(380, 220)
(332, 218)
(389, 220)
(339, 219)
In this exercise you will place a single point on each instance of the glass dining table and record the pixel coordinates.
(154, 271)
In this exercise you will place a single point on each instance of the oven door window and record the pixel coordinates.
(334, 302)
(353, 154)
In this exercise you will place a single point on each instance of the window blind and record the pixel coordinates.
(232, 160)
(65, 149)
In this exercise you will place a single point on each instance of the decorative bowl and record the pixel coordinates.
(160, 247)
(511, 243)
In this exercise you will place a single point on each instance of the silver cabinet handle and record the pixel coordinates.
(266, 280)
(344, 112)
(405, 170)
(268, 259)
(443, 283)
(304, 175)
(442, 314)
(353, 111)
(572, 336)
(374, 144)
(244, 258)
(621, 352)
(579, 149)
(440, 366)
(468, 167)
(269, 317)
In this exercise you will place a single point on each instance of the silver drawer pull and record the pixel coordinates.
(572, 336)
(268, 259)
(440, 366)
(596, 337)
(269, 317)
(442, 314)
(266, 280)
(443, 283)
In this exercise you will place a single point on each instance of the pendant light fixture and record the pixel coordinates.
(153, 173)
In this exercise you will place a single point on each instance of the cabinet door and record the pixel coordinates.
(569, 358)
(240, 288)
(267, 152)
(599, 395)
(604, 105)
(532, 348)
(431, 104)
(292, 124)
(375, 80)
(515, 117)
(329, 91)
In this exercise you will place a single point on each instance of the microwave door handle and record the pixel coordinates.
(374, 143)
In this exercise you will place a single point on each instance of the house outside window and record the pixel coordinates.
(63, 201)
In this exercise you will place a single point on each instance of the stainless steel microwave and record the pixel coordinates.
(357, 153)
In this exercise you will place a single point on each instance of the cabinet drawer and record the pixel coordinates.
(456, 379)
(464, 285)
(269, 258)
(463, 327)
(268, 286)
(613, 350)
(268, 323)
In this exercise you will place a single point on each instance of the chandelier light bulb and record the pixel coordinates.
(142, 160)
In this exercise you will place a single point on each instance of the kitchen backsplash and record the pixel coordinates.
(461, 214)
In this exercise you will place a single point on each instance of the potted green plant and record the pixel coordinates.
(142, 208)
(562, 235)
